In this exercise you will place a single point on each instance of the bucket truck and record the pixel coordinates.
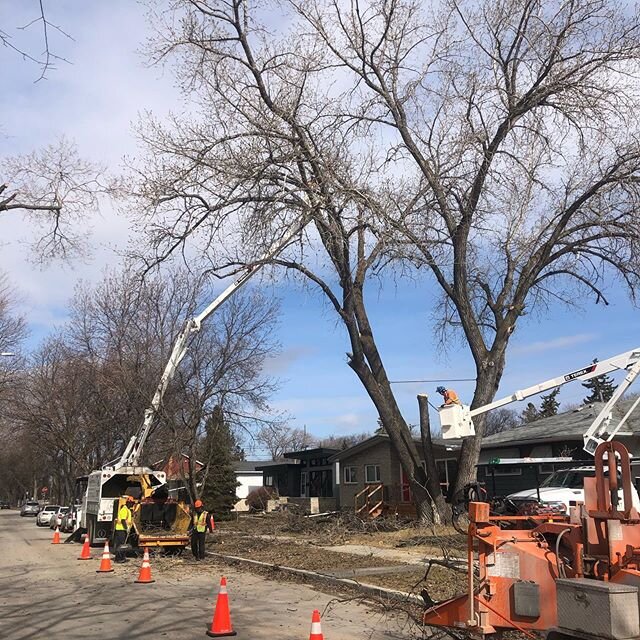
(456, 420)
(158, 519)
(567, 577)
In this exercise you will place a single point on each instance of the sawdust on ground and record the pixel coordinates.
(302, 544)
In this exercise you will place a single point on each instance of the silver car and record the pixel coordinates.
(56, 518)
(30, 508)
(68, 522)
(43, 518)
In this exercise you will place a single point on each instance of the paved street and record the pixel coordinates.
(46, 592)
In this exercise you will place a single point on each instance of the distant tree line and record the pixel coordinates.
(73, 404)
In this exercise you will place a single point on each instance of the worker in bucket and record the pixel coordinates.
(200, 524)
(449, 395)
(123, 527)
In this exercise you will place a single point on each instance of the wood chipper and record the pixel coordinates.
(158, 520)
(575, 576)
(560, 576)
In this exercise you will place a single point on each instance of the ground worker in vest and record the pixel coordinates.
(200, 524)
(123, 527)
(449, 395)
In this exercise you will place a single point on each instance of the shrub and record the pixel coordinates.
(258, 498)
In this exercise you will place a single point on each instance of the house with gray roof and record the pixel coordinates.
(556, 436)
(375, 462)
(536, 446)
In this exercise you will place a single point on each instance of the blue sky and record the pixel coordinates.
(95, 98)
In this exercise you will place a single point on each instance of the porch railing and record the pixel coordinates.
(369, 502)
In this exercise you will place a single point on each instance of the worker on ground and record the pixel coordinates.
(123, 526)
(200, 524)
(449, 395)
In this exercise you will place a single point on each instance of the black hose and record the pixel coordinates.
(562, 573)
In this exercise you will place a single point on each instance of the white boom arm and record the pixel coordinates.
(133, 451)
(456, 420)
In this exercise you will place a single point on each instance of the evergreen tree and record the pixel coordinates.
(530, 414)
(221, 451)
(549, 405)
(601, 388)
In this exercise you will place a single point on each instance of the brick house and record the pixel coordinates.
(373, 462)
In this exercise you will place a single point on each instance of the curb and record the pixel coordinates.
(368, 589)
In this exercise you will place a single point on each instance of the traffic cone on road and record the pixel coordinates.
(105, 563)
(221, 623)
(145, 569)
(56, 536)
(316, 629)
(85, 554)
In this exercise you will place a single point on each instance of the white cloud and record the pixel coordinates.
(556, 343)
(281, 362)
(351, 420)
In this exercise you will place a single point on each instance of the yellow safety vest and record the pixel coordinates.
(124, 513)
(201, 522)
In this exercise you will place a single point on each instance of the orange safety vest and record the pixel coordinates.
(451, 397)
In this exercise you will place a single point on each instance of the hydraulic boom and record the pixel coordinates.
(457, 420)
(133, 451)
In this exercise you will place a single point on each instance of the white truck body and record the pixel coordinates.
(104, 488)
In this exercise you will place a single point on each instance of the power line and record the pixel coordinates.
(433, 380)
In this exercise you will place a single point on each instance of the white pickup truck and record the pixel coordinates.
(558, 491)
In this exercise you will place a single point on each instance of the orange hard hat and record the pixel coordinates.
(197, 503)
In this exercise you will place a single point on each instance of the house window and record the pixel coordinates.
(372, 473)
(303, 484)
(545, 468)
(350, 475)
(506, 470)
(268, 481)
(447, 472)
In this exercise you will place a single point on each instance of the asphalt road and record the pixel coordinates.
(45, 592)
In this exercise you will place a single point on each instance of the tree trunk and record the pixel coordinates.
(432, 480)
(367, 364)
(488, 379)
(400, 437)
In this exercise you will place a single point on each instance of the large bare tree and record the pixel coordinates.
(55, 191)
(488, 144)
(85, 390)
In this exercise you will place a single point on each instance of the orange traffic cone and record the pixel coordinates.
(213, 523)
(56, 536)
(105, 563)
(85, 554)
(316, 629)
(221, 624)
(145, 569)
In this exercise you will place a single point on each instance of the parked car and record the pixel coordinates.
(30, 508)
(68, 520)
(56, 518)
(4, 504)
(44, 516)
(557, 492)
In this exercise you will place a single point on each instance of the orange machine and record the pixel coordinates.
(573, 576)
